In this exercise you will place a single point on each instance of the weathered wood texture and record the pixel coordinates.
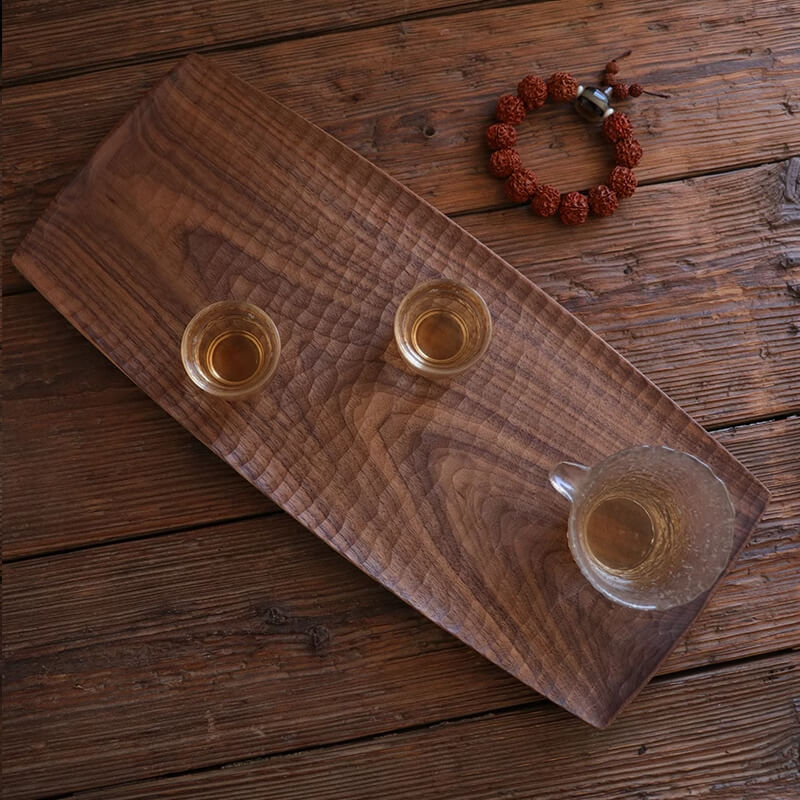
(101, 459)
(437, 490)
(413, 98)
(714, 324)
(41, 39)
(211, 646)
(697, 282)
(726, 735)
(757, 609)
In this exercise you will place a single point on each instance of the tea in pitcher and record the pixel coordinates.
(635, 534)
(649, 527)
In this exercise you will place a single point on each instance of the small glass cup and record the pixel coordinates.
(649, 527)
(230, 349)
(442, 328)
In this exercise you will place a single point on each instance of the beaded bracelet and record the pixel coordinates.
(593, 104)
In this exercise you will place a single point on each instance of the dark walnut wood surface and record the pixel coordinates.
(161, 619)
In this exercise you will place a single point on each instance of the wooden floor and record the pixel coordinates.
(169, 633)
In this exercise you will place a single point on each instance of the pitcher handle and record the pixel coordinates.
(568, 477)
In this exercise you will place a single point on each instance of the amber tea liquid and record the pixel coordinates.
(650, 527)
(439, 335)
(635, 533)
(233, 357)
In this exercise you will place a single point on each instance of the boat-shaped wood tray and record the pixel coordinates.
(210, 190)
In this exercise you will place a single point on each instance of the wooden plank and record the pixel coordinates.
(438, 490)
(693, 283)
(232, 642)
(128, 670)
(714, 325)
(41, 39)
(203, 647)
(99, 457)
(722, 735)
(757, 609)
(414, 99)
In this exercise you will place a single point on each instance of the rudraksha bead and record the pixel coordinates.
(501, 135)
(545, 200)
(562, 87)
(619, 91)
(521, 185)
(573, 209)
(532, 90)
(623, 181)
(628, 152)
(603, 200)
(510, 109)
(617, 126)
(503, 162)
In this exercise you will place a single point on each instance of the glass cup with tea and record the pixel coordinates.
(649, 527)
(442, 328)
(230, 349)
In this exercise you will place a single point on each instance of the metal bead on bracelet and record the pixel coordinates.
(593, 104)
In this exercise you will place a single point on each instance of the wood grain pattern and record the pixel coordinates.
(726, 735)
(105, 463)
(211, 646)
(42, 39)
(415, 100)
(437, 490)
(691, 282)
(249, 664)
(93, 454)
(757, 607)
(713, 323)
(101, 459)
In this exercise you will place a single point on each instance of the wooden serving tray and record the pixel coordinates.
(210, 190)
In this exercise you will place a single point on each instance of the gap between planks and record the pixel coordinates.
(487, 714)
(158, 56)
(456, 216)
(234, 520)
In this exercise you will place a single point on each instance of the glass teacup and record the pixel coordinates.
(442, 328)
(230, 349)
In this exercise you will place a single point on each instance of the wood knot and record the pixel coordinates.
(273, 616)
(319, 638)
(791, 181)
(790, 260)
